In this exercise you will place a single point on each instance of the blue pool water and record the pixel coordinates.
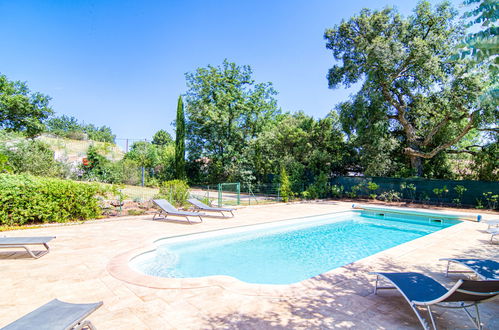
(283, 253)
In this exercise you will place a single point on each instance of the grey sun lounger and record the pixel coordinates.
(168, 209)
(421, 290)
(23, 242)
(56, 315)
(203, 207)
(483, 268)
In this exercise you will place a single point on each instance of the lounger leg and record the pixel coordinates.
(476, 320)
(36, 256)
(447, 269)
(30, 252)
(376, 285)
(431, 318)
(423, 322)
(85, 324)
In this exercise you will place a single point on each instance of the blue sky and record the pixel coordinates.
(122, 63)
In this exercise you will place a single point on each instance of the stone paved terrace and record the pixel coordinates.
(78, 270)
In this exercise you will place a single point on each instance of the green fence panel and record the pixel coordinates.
(473, 195)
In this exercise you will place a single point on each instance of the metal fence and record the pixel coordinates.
(417, 190)
(237, 193)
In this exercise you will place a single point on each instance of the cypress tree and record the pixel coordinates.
(180, 141)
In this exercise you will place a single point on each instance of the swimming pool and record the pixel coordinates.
(285, 252)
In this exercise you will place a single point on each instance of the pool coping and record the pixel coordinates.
(119, 266)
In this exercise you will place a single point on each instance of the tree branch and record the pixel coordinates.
(435, 130)
(408, 128)
(411, 152)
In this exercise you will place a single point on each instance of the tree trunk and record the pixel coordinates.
(417, 165)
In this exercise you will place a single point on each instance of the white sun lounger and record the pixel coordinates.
(24, 242)
(203, 207)
(168, 209)
(493, 232)
(56, 315)
(492, 223)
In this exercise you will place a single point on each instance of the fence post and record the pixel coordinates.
(238, 188)
(219, 195)
(278, 192)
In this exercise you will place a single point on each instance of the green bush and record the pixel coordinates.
(319, 189)
(33, 157)
(337, 191)
(285, 186)
(174, 191)
(26, 198)
(390, 196)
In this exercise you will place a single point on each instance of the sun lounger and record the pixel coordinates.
(493, 232)
(492, 223)
(168, 209)
(56, 315)
(23, 242)
(203, 207)
(421, 290)
(483, 268)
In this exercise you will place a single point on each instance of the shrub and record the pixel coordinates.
(460, 190)
(337, 191)
(372, 187)
(135, 212)
(441, 193)
(320, 187)
(285, 186)
(33, 157)
(4, 164)
(409, 189)
(26, 198)
(390, 196)
(174, 191)
(491, 200)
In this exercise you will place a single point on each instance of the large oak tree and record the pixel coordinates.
(430, 98)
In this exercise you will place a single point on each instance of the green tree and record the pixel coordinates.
(69, 127)
(430, 99)
(165, 169)
(145, 154)
(225, 110)
(21, 109)
(161, 138)
(285, 185)
(180, 141)
(305, 146)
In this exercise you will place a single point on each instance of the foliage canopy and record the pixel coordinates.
(21, 109)
(413, 88)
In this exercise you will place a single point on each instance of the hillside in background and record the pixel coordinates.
(73, 151)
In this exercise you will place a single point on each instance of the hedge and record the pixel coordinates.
(26, 198)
